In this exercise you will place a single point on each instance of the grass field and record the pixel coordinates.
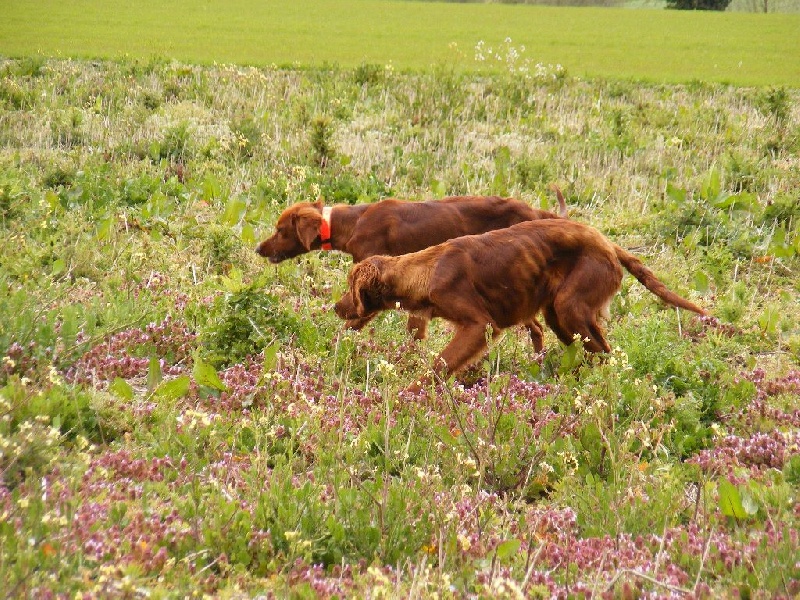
(654, 45)
(179, 418)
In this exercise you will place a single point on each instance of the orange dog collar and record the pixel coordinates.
(325, 228)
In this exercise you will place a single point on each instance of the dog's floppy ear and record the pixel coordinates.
(365, 283)
(306, 226)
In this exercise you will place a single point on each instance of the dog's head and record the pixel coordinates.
(295, 232)
(367, 291)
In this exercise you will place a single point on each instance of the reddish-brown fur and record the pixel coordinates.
(568, 270)
(394, 227)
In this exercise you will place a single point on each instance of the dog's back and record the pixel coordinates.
(395, 227)
(516, 270)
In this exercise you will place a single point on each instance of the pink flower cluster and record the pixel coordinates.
(127, 354)
(757, 453)
(110, 525)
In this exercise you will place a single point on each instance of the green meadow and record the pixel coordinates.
(179, 418)
(653, 45)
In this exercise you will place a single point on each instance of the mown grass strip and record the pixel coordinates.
(654, 45)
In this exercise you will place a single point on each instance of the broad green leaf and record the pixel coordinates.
(211, 188)
(233, 282)
(730, 501)
(701, 282)
(678, 195)
(744, 201)
(248, 234)
(791, 470)
(768, 321)
(234, 211)
(779, 246)
(502, 158)
(69, 324)
(154, 151)
(174, 388)
(572, 357)
(507, 549)
(58, 266)
(749, 503)
(206, 375)
(121, 388)
(103, 227)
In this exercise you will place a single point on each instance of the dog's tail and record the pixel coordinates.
(646, 277)
(562, 205)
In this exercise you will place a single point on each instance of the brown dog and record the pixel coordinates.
(504, 278)
(393, 227)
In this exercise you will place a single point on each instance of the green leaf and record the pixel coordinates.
(791, 470)
(233, 283)
(438, 188)
(507, 549)
(174, 388)
(779, 246)
(730, 501)
(234, 211)
(744, 201)
(248, 234)
(271, 356)
(153, 373)
(768, 321)
(701, 282)
(711, 187)
(69, 324)
(58, 266)
(121, 388)
(573, 355)
(206, 375)
(678, 195)
(103, 227)
(502, 158)
(211, 188)
(52, 199)
(749, 503)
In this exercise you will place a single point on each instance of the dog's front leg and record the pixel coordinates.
(417, 326)
(467, 344)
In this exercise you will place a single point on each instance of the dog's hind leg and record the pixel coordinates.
(551, 319)
(583, 298)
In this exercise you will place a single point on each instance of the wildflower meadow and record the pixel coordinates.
(181, 418)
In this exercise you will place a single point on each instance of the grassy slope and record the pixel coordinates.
(653, 45)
